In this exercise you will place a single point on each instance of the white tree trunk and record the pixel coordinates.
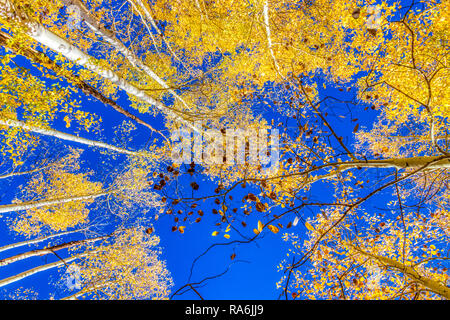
(60, 45)
(111, 38)
(435, 162)
(22, 275)
(410, 272)
(43, 203)
(34, 241)
(431, 162)
(16, 174)
(64, 136)
(44, 60)
(49, 250)
(269, 36)
(138, 4)
(51, 40)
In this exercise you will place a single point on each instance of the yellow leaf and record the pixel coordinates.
(273, 228)
(215, 233)
(181, 229)
(260, 226)
(67, 120)
(255, 231)
(309, 226)
(227, 236)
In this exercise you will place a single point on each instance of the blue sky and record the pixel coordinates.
(252, 274)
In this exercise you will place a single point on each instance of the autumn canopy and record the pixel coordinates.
(130, 128)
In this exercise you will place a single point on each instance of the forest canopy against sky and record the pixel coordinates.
(227, 149)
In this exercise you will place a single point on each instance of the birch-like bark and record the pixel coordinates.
(137, 4)
(410, 138)
(435, 162)
(428, 283)
(41, 58)
(38, 204)
(268, 34)
(111, 38)
(429, 162)
(38, 240)
(72, 53)
(30, 272)
(21, 173)
(51, 40)
(64, 136)
(49, 250)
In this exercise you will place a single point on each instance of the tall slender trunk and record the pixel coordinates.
(435, 162)
(21, 173)
(85, 290)
(269, 36)
(428, 283)
(138, 4)
(111, 38)
(51, 40)
(72, 53)
(63, 136)
(38, 204)
(49, 250)
(30, 272)
(431, 162)
(409, 138)
(43, 59)
(34, 241)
